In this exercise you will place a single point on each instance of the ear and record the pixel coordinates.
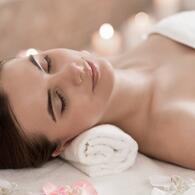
(59, 149)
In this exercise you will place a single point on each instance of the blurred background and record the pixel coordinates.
(105, 27)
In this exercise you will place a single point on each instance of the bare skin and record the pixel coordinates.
(168, 131)
(147, 92)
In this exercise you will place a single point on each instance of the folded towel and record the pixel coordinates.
(102, 150)
(179, 27)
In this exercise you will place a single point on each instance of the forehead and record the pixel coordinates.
(24, 87)
(15, 72)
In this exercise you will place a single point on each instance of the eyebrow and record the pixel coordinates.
(49, 100)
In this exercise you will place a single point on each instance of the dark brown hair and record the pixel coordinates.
(17, 150)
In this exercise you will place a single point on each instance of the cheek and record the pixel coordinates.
(86, 115)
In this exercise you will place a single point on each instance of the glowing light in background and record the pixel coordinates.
(27, 52)
(31, 51)
(142, 18)
(106, 31)
(137, 28)
(106, 41)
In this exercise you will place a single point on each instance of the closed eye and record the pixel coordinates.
(48, 60)
(63, 102)
(49, 99)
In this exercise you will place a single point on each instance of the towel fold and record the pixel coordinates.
(179, 27)
(101, 150)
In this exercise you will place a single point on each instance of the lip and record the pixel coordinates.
(95, 73)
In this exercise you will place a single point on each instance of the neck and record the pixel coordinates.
(126, 101)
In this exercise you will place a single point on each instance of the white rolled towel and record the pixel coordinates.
(102, 150)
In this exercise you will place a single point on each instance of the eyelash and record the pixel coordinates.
(61, 97)
(62, 100)
(48, 60)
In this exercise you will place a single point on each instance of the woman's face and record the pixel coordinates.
(30, 89)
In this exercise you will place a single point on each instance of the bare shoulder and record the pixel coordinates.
(171, 134)
(155, 48)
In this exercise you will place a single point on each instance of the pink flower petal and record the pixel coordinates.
(87, 186)
(78, 186)
(61, 191)
(49, 188)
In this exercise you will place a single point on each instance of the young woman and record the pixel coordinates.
(149, 92)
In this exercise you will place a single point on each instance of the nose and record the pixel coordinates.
(77, 73)
(72, 74)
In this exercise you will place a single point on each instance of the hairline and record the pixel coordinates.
(15, 120)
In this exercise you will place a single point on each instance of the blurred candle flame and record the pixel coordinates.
(142, 18)
(31, 51)
(27, 52)
(138, 26)
(106, 41)
(106, 31)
